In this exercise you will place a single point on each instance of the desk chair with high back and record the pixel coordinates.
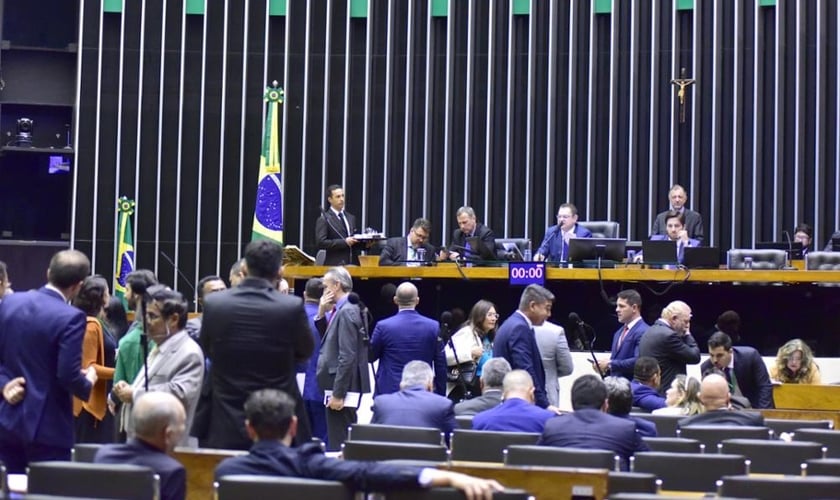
(689, 471)
(632, 482)
(747, 258)
(774, 488)
(84, 452)
(601, 228)
(464, 421)
(674, 445)
(774, 457)
(486, 446)
(822, 261)
(561, 457)
(395, 434)
(828, 438)
(780, 425)
(115, 481)
(666, 425)
(821, 467)
(711, 435)
(380, 450)
(239, 486)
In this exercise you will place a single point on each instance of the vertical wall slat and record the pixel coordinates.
(757, 120)
(159, 156)
(468, 109)
(800, 89)
(367, 110)
(778, 104)
(509, 106)
(819, 114)
(615, 27)
(737, 139)
(633, 164)
(551, 160)
(530, 114)
(717, 115)
(242, 120)
(180, 152)
(222, 133)
(138, 207)
(96, 164)
(653, 131)
(389, 82)
(491, 91)
(408, 141)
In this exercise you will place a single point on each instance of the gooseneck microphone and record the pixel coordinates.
(182, 275)
(573, 316)
(790, 249)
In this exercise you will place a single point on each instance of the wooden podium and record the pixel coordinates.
(806, 402)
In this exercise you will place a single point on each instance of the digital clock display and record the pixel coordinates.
(526, 273)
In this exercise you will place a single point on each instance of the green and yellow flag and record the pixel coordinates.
(125, 251)
(268, 210)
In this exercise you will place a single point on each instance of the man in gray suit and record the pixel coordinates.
(175, 364)
(556, 357)
(693, 220)
(343, 359)
(492, 376)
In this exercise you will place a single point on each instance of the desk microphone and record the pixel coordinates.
(573, 316)
(182, 275)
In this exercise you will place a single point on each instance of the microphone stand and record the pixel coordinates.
(789, 252)
(592, 347)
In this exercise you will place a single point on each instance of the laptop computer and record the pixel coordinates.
(701, 257)
(660, 251)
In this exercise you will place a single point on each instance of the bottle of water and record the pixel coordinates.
(748, 262)
(527, 254)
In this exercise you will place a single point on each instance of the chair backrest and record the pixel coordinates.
(118, 481)
(601, 228)
(84, 452)
(236, 487)
(765, 487)
(689, 471)
(464, 421)
(711, 435)
(395, 434)
(822, 467)
(4, 483)
(674, 445)
(830, 439)
(780, 425)
(561, 457)
(320, 257)
(453, 494)
(379, 450)
(822, 261)
(737, 258)
(631, 482)
(666, 425)
(486, 446)
(773, 457)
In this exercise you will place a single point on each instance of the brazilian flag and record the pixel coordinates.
(268, 212)
(125, 251)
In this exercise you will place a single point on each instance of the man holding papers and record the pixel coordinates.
(343, 359)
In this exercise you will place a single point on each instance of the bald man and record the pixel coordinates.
(159, 425)
(669, 341)
(517, 413)
(714, 394)
(403, 337)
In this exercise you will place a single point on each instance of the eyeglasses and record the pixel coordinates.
(562, 217)
(492, 315)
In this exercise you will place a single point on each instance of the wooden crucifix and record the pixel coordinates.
(682, 82)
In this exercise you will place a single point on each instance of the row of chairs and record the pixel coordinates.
(667, 425)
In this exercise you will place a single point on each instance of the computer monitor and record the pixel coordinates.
(794, 247)
(581, 249)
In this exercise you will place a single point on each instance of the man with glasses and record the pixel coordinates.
(669, 341)
(411, 250)
(555, 245)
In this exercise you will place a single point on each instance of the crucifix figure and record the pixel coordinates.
(682, 82)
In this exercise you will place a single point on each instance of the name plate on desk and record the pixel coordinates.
(526, 273)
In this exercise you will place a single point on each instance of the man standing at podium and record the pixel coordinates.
(334, 230)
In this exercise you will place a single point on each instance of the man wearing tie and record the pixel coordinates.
(692, 220)
(555, 245)
(625, 346)
(411, 250)
(743, 368)
(675, 228)
(469, 228)
(334, 231)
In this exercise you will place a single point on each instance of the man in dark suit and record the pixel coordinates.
(675, 230)
(406, 336)
(516, 341)
(253, 336)
(620, 402)
(693, 220)
(415, 405)
(625, 345)
(468, 227)
(715, 396)
(334, 230)
(159, 421)
(41, 366)
(272, 425)
(555, 244)
(589, 426)
(517, 413)
(411, 250)
(343, 358)
(744, 369)
(645, 384)
(492, 377)
(669, 341)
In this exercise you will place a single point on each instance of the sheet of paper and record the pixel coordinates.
(352, 399)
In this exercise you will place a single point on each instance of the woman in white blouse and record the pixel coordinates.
(682, 398)
(473, 343)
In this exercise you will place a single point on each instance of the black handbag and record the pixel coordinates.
(464, 372)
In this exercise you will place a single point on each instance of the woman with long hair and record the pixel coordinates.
(795, 364)
(94, 424)
(473, 345)
(682, 398)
